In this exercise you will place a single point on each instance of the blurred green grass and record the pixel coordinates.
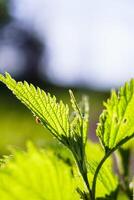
(17, 125)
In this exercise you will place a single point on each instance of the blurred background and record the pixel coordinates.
(85, 45)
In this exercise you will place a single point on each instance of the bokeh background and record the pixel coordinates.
(84, 45)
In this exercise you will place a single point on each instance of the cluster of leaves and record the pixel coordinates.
(53, 176)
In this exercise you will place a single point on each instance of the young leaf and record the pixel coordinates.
(116, 124)
(36, 175)
(79, 123)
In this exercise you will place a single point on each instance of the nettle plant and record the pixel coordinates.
(56, 174)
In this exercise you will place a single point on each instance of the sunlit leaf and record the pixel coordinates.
(36, 175)
(116, 124)
(53, 115)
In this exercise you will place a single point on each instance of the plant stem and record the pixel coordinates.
(85, 178)
(96, 175)
(103, 160)
(87, 184)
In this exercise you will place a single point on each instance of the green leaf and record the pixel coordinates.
(79, 127)
(36, 175)
(112, 196)
(53, 115)
(4, 160)
(79, 123)
(71, 131)
(116, 124)
(107, 181)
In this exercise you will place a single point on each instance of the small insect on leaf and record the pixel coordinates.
(38, 121)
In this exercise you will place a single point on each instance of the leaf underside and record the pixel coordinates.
(71, 130)
(116, 124)
(52, 114)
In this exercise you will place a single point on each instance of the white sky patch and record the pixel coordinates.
(88, 41)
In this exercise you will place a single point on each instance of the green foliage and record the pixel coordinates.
(53, 115)
(117, 120)
(35, 175)
(71, 131)
(91, 175)
(105, 175)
